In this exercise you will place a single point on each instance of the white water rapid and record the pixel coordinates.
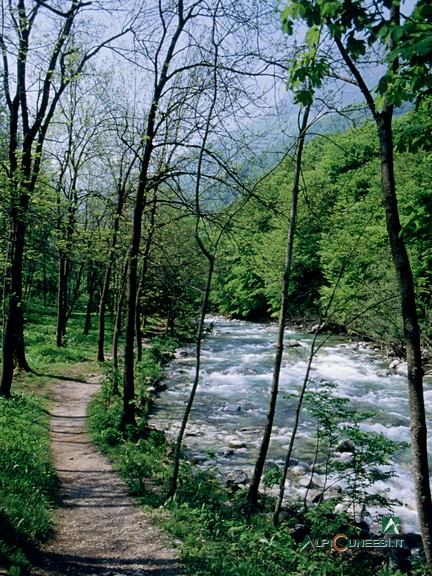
(230, 407)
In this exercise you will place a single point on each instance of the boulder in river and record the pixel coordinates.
(237, 479)
(233, 408)
(235, 443)
(298, 470)
(345, 445)
(383, 373)
(292, 344)
(307, 482)
(402, 369)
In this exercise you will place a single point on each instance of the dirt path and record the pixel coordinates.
(100, 530)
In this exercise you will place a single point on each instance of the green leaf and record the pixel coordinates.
(313, 36)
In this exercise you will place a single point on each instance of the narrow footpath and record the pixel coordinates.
(99, 529)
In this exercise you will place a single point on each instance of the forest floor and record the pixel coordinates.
(99, 530)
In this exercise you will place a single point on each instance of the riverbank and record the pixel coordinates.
(230, 407)
(206, 517)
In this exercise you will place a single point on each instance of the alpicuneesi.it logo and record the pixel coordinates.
(391, 526)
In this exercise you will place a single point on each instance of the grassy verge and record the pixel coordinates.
(207, 519)
(27, 480)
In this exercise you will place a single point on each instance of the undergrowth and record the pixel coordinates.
(27, 480)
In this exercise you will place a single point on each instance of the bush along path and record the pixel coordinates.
(99, 529)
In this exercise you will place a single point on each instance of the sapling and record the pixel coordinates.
(337, 419)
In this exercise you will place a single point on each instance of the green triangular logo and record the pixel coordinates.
(391, 525)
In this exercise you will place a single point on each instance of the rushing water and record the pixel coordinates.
(232, 399)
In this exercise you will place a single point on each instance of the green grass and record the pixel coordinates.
(27, 480)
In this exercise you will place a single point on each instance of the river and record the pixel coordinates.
(230, 407)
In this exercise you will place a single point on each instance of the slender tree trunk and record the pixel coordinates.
(102, 309)
(92, 286)
(62, 300)
(252, 496)
(145, 263)
(200, 333)
(108, 272)
(128, 417)
(287, 463)
(75, 292)
(117, 323)
(404, 276)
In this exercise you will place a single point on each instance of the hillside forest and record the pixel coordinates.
(165, 160)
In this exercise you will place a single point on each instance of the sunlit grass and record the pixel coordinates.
(27, 479)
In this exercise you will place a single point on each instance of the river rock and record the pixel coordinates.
(345, 445)
(307, 483)
(298, 470)
(151, 390)
(194, 432)
(210, 463)
(181, 354)
(394, 364)
(383, 373)
(237, 478)
(233, 408)
(345, 457)
(340, 508)
(292, 344)
(402, 369)
(315, 496)
(235, 443)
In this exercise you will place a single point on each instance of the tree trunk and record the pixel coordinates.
(405, 282)
(92, 285)
(62, 300)
(102, 309)
(117, 323)
(108, 271)
(411, 333)
(287, 463)
(13, 335)
(128, 417)
(145, 263)
(75, 292)
(200, 333)
(252, 496)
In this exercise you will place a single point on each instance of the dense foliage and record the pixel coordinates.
(342, 250)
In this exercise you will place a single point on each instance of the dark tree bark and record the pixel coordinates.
(144, 269)
(252, 496)
(92, 285)
(108, 272)
(118, 321)
(126, 167)
(62, 299)
(405, 281)
(404, 276)
(128, 417)
(186, 414)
